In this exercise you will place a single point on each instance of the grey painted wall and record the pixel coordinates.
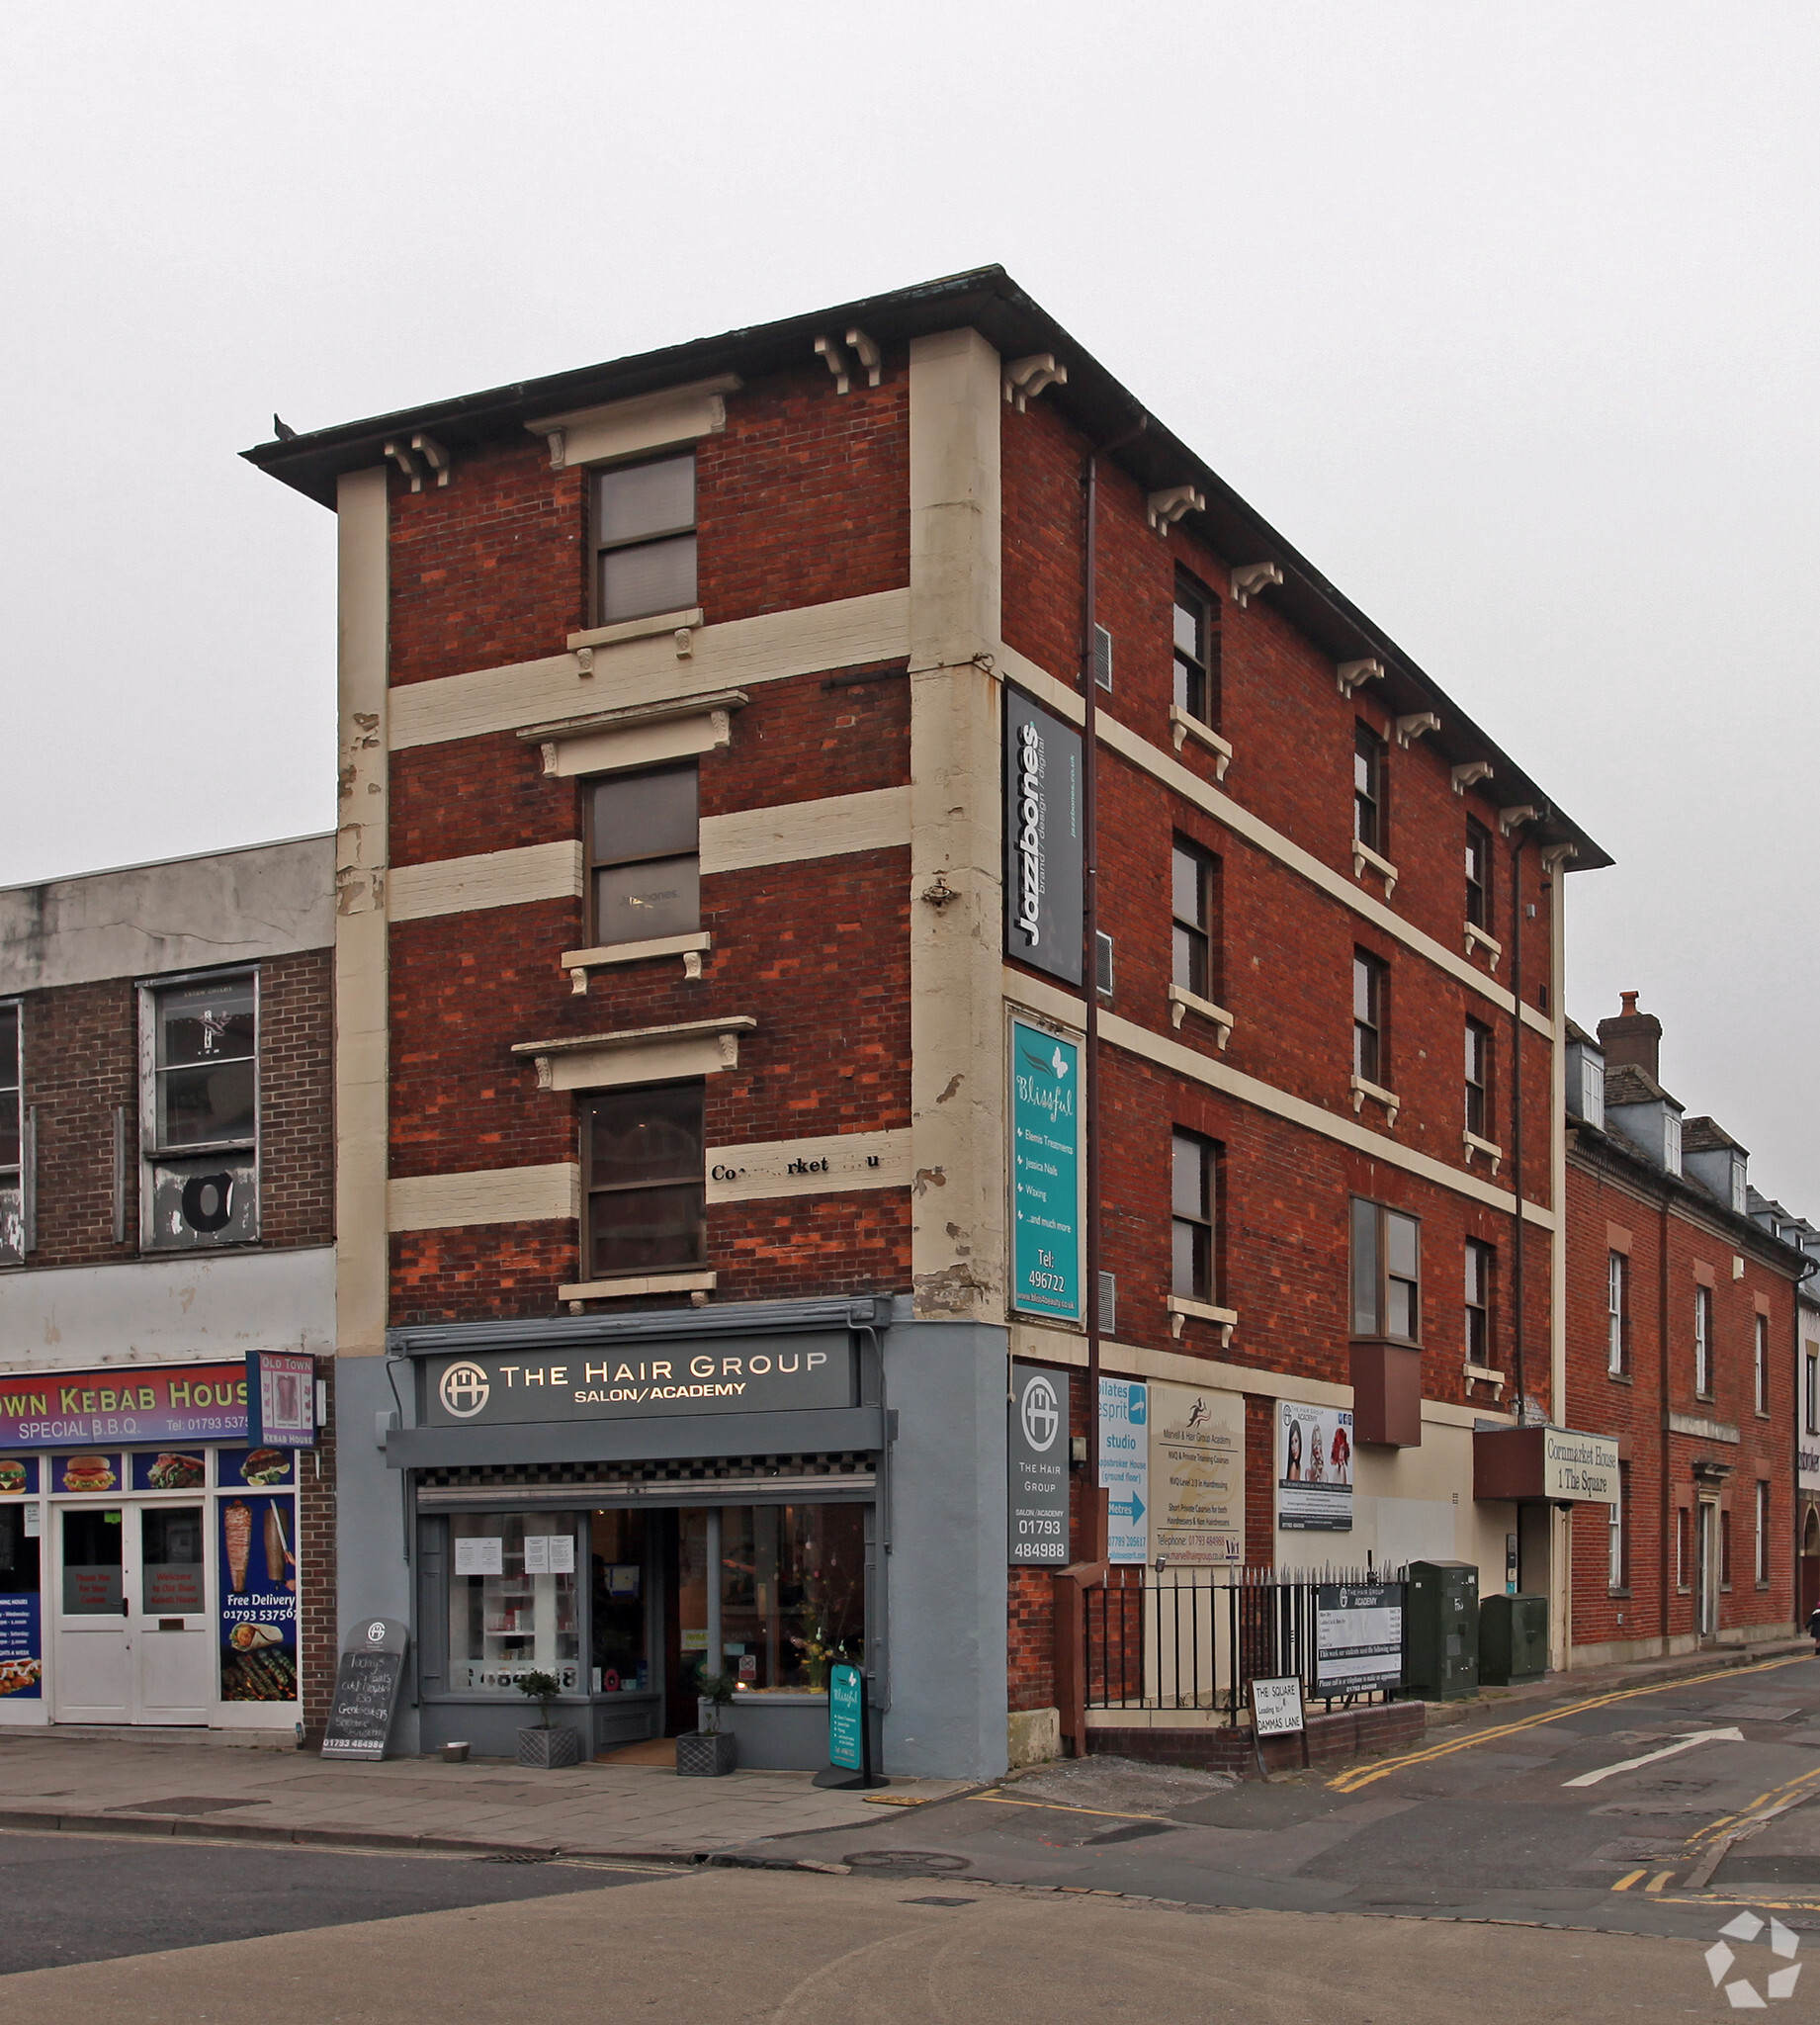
(946, 1582)
(374, 1580)
(228, 907)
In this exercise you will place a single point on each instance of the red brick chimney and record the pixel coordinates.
(1635, 1037)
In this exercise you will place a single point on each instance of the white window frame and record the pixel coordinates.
(153, 1152)
(1762, 1532)
(1617, 1276)
(1761, 1362)
(1813, 1389)
(1703, 1342)
(1614, 1537)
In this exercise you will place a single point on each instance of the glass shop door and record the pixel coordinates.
(173, 1654)
(93, 1638)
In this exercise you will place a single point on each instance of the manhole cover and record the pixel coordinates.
(938, 1901)
(517, 1856)
(912, 1861)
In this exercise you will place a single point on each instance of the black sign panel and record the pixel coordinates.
(1042, 838)
(730, 1374)
(367, 1684)
(1038, 1449)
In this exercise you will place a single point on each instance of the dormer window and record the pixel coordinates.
(1671, 1139)
(1740, 1190)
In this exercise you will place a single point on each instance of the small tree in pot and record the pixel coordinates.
(549, 1746)
(709, 1752)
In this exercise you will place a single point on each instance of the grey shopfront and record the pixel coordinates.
(623, 1499)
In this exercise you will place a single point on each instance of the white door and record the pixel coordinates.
(1707, 1604)
(167, 1595)
(92, 1639)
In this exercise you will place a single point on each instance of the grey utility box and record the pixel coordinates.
(1440, 1630)
(1512, 1639)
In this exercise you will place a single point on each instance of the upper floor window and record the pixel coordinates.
(1617, 1313)
(1196, 650)
(1370, 977)
(12, 1140)
(643, 845)
(641, 1173)
(1478, 874)
(1702, 1341)
(644, 539)
(1481, 1259)
(1761, 1362)
(1386, 1273)
(1813, 1389)
(1368, 826)
(1192, 897)
(199, 1113)
(1191, 1200)
(1478, 1079)
(1617, 1533)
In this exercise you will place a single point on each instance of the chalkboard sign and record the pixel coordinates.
(367, 1684)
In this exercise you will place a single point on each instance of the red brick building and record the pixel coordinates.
(709, 967)
(1683, 1344)
(166, 1207)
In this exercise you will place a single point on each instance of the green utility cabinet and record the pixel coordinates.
(1512, 1639)
(1440, 1630)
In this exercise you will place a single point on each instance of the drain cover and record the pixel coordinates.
(912, 1861)
(516, 1856)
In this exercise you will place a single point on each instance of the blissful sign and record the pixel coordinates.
(751, 1375)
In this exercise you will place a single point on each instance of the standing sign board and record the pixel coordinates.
(1314, 1469)
(1358, 1637)
(1046, 1277)
(1124, 1467)
(1042, 840)
(1276, 1706)
(1037, 1446)
(1196, 1476)
(367, 1684)
(849, 1733)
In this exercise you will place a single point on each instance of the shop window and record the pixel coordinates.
(1370, 990)
(1386, 1273)
(619, 1611)
(793, 1594)
(644, 540)
(1193, 884)
(1196, 640)
(1481, 1259)
(1617, 1315)
(200, 1114)
(1478, 1079)
(644, 844)
(12, 1141)
(641, 1161)
(1192, 1204)
(1703, 1342)
(1478, 874)
(512, 1607)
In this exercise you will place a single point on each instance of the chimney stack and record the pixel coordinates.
(1634, 1038)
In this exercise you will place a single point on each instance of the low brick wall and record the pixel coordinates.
(1345, 1733)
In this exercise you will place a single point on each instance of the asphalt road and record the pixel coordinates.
(85, 1898)
(1484, 1823)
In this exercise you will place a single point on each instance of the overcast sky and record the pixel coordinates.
(1504, 315)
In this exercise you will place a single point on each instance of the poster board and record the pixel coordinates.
(1314, 1467)
(1196, 1476)
(1124, 1467)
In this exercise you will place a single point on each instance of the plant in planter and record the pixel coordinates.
(549, 1746)
(709, 1752)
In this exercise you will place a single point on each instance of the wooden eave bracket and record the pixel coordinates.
(1355, 674)
(1468, 772)
(1024, 379)
(406, 455)
(871, 361)
(1248, 579)
(1412, 726)
(1166, 507)
(1508, 818)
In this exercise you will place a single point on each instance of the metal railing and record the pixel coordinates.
(1195, 1638)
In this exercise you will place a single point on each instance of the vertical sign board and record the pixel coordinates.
(1124, 1467)
(280, 1399)
(367, 1684)
(1046, 1271)
(1037, 1448)
(1042, 913)
(846, 1718)
(1196, 1476)
(1314, 1469)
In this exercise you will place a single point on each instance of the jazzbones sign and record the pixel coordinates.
(752, 1375)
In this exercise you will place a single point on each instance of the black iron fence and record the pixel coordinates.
(1194, 1638)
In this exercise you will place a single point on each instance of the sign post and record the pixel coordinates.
(367, 1684)
(849, 1733)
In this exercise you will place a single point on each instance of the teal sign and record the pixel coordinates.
(846, 1718)
(1045, 1173)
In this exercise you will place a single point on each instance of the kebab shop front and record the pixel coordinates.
(148, 1542)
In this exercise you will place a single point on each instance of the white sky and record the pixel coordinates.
(1504, 315)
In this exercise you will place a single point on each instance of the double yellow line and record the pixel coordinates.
(1350, 1782)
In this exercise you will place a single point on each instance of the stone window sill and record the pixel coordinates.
(1379, 1094)
(637, 629)
(1183, 727)
(1483, 1375)
(1363, 855)
(1471, 1143)
(1182, 1001)
(1477, 938)
(637, 1284)
(1620, 1377)
(1181, 1310)
(1622, 1595)
(579, 962)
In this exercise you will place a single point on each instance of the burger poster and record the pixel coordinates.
(256, 1539)
(1314, 1467)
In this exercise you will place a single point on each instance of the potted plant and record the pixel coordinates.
(551, 1745)
(709, 1752)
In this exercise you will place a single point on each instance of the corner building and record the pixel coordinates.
(709, 1148)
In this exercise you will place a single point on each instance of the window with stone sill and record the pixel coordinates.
(1368, 824)
(644, 538)
(1478, 874)
(643, 1178)
(1761, 1363)
(1192, 1172)
(1703, 1342)
(1196, 624)
(1193, 890)
(644, 853)
(1479, 1079)
(1481, 1267)
(1386, 1273)
(1617, 1315)
(199, 1112)
(12, 1138)
(1370, 990)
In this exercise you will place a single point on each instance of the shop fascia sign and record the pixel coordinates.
(767, 1374)
(124, 1403)
(1579, 1466)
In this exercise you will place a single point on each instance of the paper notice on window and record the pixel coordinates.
(479, 1557)
(537, 1553)
(561, 1553)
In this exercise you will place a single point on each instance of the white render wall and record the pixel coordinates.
(194, 1305)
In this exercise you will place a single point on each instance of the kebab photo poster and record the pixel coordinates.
(258, 1590)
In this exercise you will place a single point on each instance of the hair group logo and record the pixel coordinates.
(1741, 1991)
